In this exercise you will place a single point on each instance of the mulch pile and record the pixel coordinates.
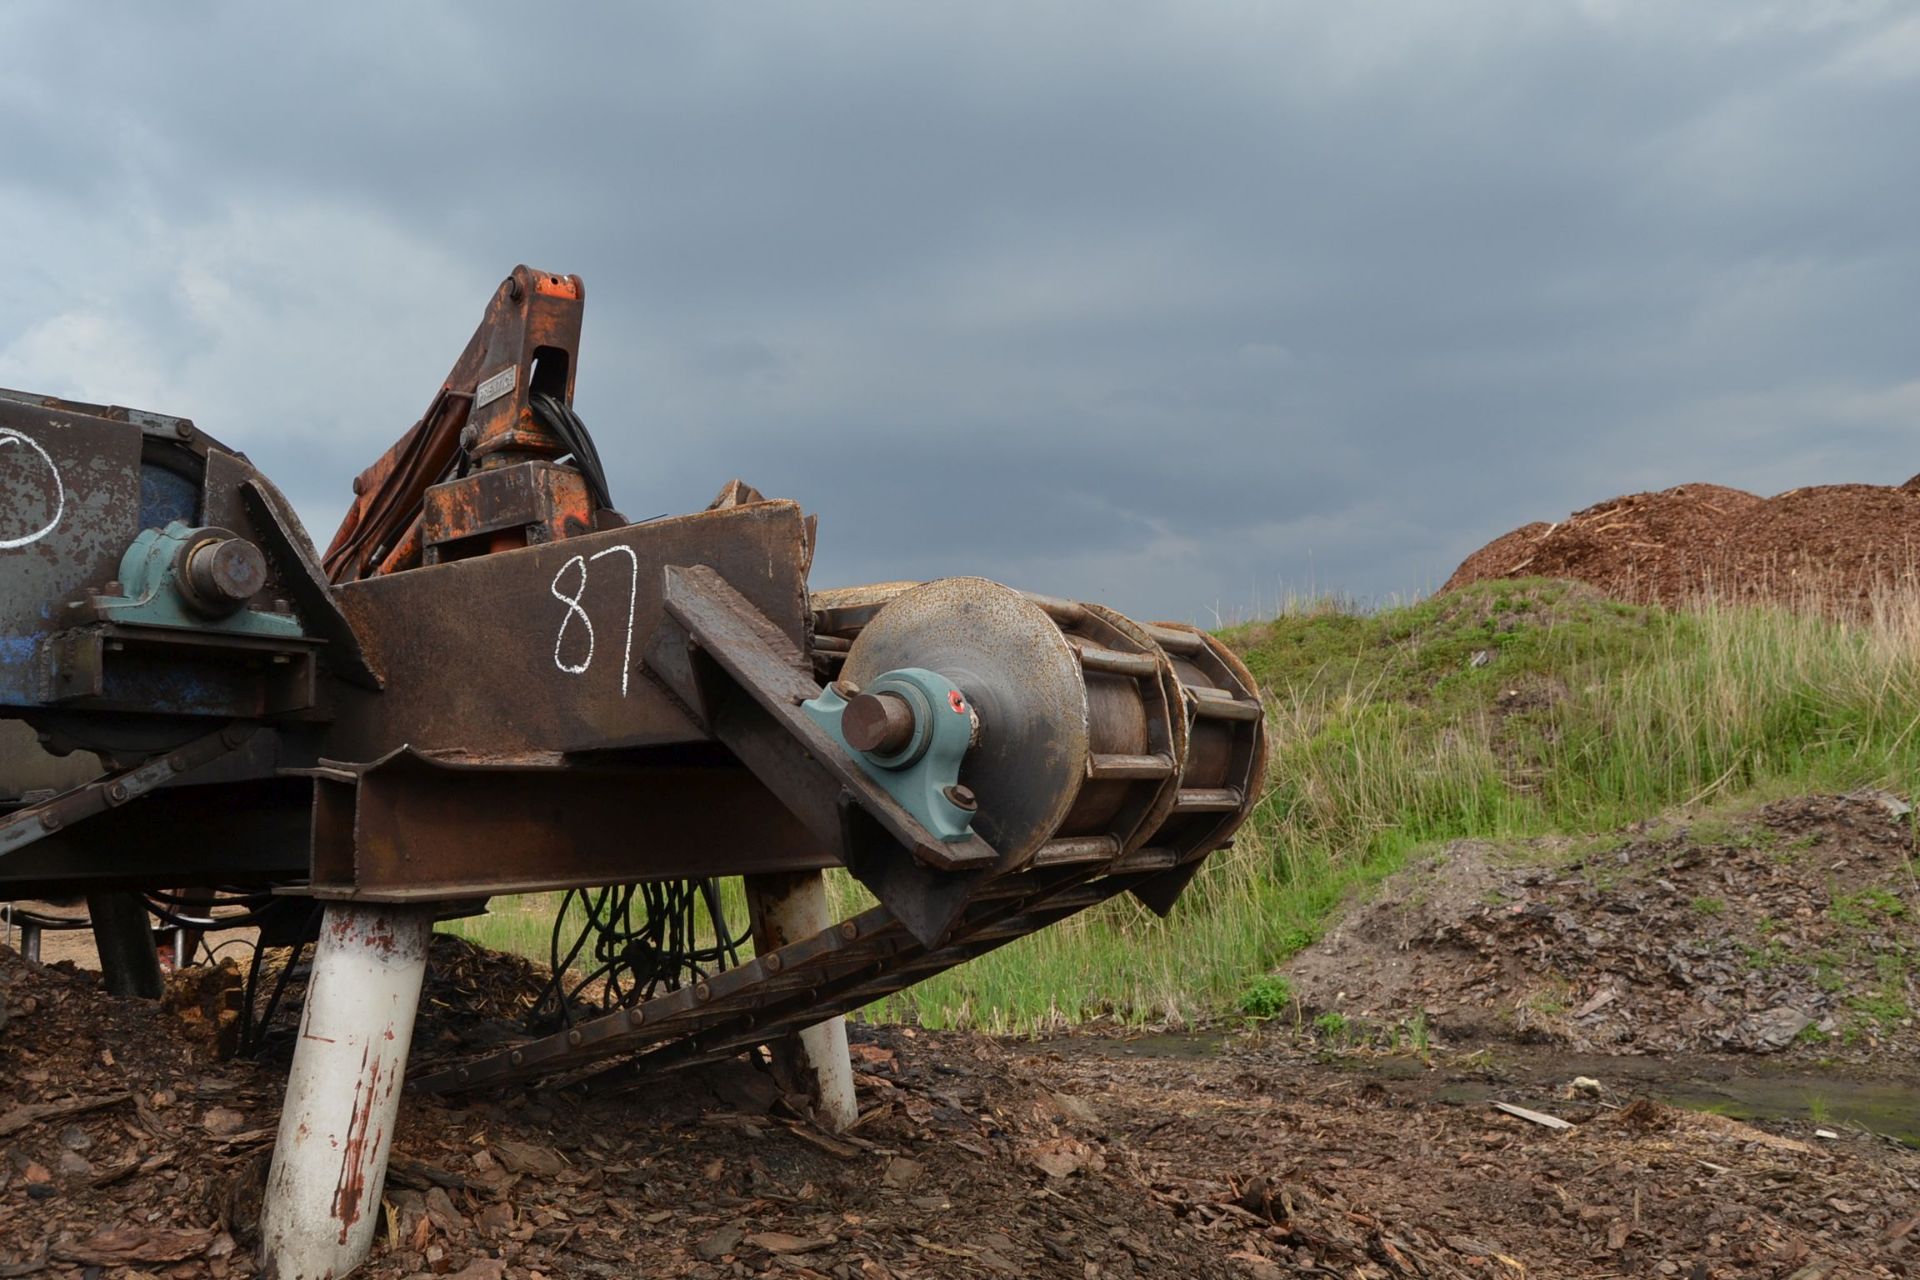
(1836, 546)
(1793, 932)
(127, 1149)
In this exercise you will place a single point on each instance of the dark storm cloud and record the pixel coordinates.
(1178, 306)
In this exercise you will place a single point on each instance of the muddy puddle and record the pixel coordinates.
(1171, 1044)
(1737, 1087)
(1744, 1088)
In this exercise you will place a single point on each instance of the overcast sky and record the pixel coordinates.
(1180, 307)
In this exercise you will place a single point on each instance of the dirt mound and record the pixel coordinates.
(1792, 932)
(1834, 545)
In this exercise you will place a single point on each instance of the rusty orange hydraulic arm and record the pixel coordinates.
(477, 472)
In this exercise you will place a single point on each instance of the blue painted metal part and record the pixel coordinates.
(919, 775)
(151, 597)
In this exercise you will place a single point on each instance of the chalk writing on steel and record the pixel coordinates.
(8, 436)
(633, 591)
(575, 609)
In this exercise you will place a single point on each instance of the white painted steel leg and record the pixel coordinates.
(786, 907)
(336, 1125)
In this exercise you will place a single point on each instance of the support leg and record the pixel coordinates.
(124, 938)
(786, 907)
(336, 1125)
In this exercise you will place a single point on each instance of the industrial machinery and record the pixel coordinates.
(492, 683)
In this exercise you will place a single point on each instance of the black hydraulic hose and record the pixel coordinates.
(557, 416)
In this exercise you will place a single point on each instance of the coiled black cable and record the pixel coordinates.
(634, 955)
(557, 416)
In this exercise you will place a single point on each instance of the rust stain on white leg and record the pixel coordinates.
(330, 1162)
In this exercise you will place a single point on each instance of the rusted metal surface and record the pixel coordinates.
(88, 479)
(36, 821)
(881, 723)
(407, 828)
(1141, 730)
(539, 649)
(69, 507)
(1021, 676)
(528, 341)
(245, 832)
(529, 502)
(1226, 761)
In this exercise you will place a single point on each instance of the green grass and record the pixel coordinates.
(1333, 1026)
(1507, 710)
(1267, 996)
(1865, 909)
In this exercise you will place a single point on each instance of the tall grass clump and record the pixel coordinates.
(1749, 696)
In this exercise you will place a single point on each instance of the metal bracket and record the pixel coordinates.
(741, 677)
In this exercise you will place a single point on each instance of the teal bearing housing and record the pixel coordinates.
(193, 578)
(921, 773)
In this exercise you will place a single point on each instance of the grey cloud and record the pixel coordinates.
(1182, 306)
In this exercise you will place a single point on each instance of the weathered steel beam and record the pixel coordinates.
(409, 828)
(538, 649)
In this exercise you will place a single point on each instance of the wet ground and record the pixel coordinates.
(1838, 1096)
(127, 1149)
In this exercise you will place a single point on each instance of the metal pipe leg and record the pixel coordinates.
(336, 1125)
(123, 936)
(785, 907)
